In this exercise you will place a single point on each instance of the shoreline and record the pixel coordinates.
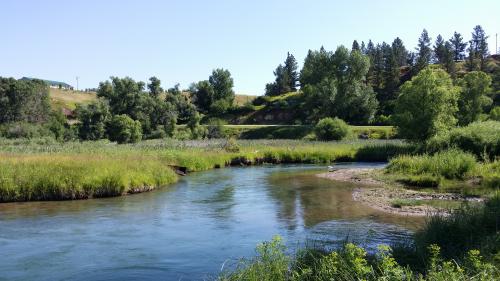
(381, 196)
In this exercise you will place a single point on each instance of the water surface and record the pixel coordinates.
(188, 230)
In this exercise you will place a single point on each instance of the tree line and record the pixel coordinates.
(368, 83)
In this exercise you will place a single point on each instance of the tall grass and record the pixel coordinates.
(39, 170)
(451, 164)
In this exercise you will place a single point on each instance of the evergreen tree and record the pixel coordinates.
(355, 46)
(439, 50)
(424, 51)
(479, 46)
(291, 67)
(448, 59)
(458, 46)
(399, 52)
(363, 48)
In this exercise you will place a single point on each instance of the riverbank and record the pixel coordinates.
(394, 198)
(54, 171)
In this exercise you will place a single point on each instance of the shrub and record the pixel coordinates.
(480, 138)
(24, 130)
(123, 129)
(495, 113)
(331, 129)
(215, 129)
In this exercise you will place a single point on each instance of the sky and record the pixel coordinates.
(183, 41)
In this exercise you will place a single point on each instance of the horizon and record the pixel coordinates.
(249, 39)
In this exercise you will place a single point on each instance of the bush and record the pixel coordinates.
(215, 129)
(331, 129)
(123, 129)
(495, 113)
(24, 130)
(480, 138)
(451, 164)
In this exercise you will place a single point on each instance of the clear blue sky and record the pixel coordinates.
(182, 41)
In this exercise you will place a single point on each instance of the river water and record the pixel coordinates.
(189, 230)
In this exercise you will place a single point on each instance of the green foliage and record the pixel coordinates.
(471, 227)
(424, 51)
(334, 82)
(196, 130)
(215, 129)
(215, 94)
(451, 164)
(93, 119)
(286, 78)
(26, 130)
(427, 105)
(123, 129)
(480, 138)
(23, 101)
(473, 96)
(495, 113)
(351, 263)
(331, 129)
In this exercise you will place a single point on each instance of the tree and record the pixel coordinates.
(92, 120)
(457, 46)
(399, 52)
(124, 129)
(197, 131)
(215, 94)
(331, 129)
(317, 66)
(342, 90)
(355, 46)
(24, 100)
(286, 78)
(155, 86)
(479, 46)
(448, 59)
(424, 51)
(291, 71)
(222, 83)
(439, 50)
(475, 87)
(427, 105)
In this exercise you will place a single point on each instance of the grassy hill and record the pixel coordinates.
(68, 99)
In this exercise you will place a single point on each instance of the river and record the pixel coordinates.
(189, 230)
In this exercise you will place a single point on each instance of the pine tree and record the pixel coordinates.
(449, 59)
(363, 48)
(424, 51)
(479, 46)
(355, 46)
(399, 51)
(458, 46)
(439, 50)
(291, 71)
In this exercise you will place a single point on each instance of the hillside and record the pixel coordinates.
(68, 99)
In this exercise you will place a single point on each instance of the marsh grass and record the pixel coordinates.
(39, 170)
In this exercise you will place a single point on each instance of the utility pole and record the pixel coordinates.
(496, 43)
(77, 82)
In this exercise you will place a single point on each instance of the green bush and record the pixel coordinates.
(480, 138)
(495, 113)
(24, 130)
(451, 164)
(331, 129)
(215, 129)
(123, 129)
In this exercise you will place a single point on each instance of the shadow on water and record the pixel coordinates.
(187, 230)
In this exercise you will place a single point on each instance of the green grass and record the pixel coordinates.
(47, 170)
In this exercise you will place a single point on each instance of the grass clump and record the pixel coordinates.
(450, 164)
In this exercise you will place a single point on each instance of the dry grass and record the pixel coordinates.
(69, 99)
